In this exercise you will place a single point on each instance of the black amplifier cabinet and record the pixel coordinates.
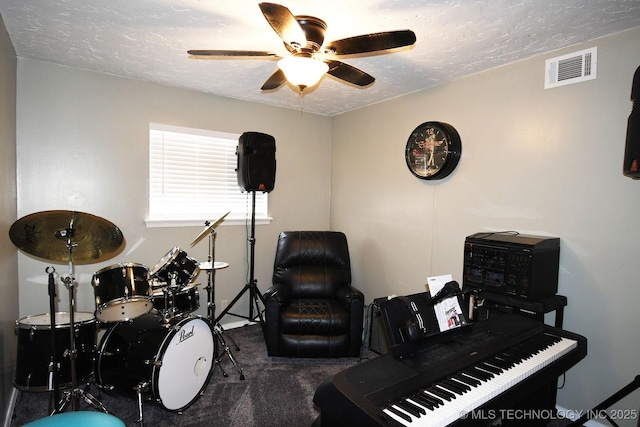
(514, 264)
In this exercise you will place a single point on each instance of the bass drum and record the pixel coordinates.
(172, 362)
(35, 351)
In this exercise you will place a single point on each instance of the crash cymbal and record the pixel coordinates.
(208, 228)
(47, 234)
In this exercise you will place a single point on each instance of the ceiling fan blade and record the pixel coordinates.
(276, 80)
(284, 24)
(371, 42)
(349, 74)
(214, 53)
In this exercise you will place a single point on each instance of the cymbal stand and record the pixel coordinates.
(55, 364)
(72, 395)
(218, 330)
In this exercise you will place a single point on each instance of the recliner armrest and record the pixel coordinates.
(277, 292)
(276, 297)
(347, 294)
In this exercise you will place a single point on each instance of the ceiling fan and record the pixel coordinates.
(310, 58)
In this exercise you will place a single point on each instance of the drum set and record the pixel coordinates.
(153, 348)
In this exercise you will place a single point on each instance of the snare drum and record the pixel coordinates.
(122, 292)
(176, 268)
(35, 352)
(170, 362)
(185, 301)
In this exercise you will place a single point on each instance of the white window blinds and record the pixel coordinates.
(192, 177)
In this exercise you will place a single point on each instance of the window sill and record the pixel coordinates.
(164, 223)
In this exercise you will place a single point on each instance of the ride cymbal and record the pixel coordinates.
(51, 234)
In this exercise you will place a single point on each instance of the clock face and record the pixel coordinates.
(433, 150)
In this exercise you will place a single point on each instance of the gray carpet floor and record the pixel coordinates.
(275, 392)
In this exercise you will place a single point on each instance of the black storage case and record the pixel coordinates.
(378, 340)
(513, 264)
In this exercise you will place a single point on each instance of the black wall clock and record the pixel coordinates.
(433, 150)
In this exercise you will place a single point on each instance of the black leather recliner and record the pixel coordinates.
(311, 309)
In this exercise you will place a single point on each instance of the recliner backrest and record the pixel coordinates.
(313, 264)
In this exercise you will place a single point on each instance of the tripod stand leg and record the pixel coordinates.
(254, 298)
(91, 400)
(231, 304)
(258, 297)
(76, 393)
(64, 402)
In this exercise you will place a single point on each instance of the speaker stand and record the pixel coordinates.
(255, 297)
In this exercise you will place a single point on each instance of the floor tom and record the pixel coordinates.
(35, 354)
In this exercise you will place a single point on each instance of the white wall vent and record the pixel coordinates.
(571, 68)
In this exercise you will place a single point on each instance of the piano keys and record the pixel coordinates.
(493, 364)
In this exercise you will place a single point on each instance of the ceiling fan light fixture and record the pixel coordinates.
(302, 71)
(303, 37)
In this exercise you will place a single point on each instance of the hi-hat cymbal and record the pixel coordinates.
(208, 228)
(217, 265)
(47, 235)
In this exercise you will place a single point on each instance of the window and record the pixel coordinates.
(192, 178)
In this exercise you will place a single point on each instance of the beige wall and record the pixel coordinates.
(82, 145)
(533, 160)
(8, 253)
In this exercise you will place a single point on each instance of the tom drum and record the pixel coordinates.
(169, 302)
(122, 292)
(176, 268)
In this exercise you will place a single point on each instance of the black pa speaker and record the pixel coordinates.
(256, 161)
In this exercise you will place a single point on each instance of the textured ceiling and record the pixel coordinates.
(148, 39)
